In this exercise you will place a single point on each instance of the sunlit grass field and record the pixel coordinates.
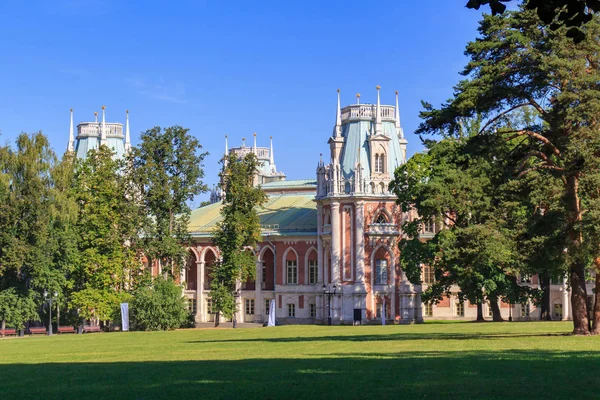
(432, 361)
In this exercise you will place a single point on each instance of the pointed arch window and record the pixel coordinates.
(381, 219)
(379, 163)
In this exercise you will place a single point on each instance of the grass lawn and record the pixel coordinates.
(432, 361)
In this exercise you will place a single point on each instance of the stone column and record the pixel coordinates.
(199, 291)
(258, 292)
(565, 300)
(335, 242)
(320, 244)
(360, 245)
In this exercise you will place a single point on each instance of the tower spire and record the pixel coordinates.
(254, 146)
(338, 118)
(357, 98)
(226, 147)
(271, 155)
(378, 129)
(127, 136)
(96, 116)
(103, 133)
(71, 145)
(398, 127)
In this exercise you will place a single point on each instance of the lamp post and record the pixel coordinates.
(327, 291)
(510, 311)
(49, 298)
(236, 295)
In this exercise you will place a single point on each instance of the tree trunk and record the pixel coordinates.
(57, 314)
(496, 314)
(577, 267)
(596, 324)
(546, 313)
(480, 312)
(217, 319)
(3, 325)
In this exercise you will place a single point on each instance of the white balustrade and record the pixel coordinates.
(367, 111)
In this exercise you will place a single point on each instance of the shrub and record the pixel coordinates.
(159, 306)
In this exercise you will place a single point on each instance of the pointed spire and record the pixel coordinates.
(337, 132)
(96, 116)
(357, 98)
(103, 132)
(378, 128)
(254, 146)
(71, 145)
(127, 135)
(243, 142)
(271, 155)
(226, 147)
(398, 127)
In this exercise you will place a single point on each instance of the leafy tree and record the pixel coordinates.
(554, 13)
(25, 217)
(238, 231)
(16, 310)
(159, 306)
(168, 174)
(518, 62)
(460, 190)
(106, 227)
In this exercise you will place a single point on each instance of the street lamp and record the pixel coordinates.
(49, 298)
(236, 294)
(327, 291)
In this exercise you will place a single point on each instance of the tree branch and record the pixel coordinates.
(534, 135)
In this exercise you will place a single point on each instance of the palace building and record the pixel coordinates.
(329, 246)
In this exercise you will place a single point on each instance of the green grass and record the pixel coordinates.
(432, 361)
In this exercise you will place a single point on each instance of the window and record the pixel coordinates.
(327, 218)
(525, 310)
(429, 227)
(264, 272)
(526, 278)
(313, 271)
(191, 305)
(381, 273)
(249, 306)
(313, 310)
(379, 162)
(490, 313)
(428, 309)
(428, 275)
(267, 306)
(558, 311)
(292, 272)
(381, 219)
(209, 309)
(460, 309)
(292, 310)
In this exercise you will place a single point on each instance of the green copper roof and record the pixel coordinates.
(283, 215)
(291, 184)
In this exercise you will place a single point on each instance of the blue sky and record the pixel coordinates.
(226, 67)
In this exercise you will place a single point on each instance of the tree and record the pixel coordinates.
(25, 217)
(554, 13)
(159, 306)
(518, 62)
(461, 191)
(16, 309)
(238, 231)
(168, 174)
(106, 228)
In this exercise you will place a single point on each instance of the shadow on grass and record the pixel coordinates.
(410, 375)
(383, 337)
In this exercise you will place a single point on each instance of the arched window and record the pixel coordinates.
(381, 272)
(379, 163)
(347, 187)
(381, 219)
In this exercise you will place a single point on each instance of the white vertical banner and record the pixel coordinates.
(124, 317)
(272, 313)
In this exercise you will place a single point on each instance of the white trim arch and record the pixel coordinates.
(391, 278)
(306, 274)
(206, 249)
(261, 253)
(386, 212)
(284, 264)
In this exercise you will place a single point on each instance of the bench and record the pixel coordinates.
(8, 332)
(37, 330)
(91, 328)
(66, 329)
